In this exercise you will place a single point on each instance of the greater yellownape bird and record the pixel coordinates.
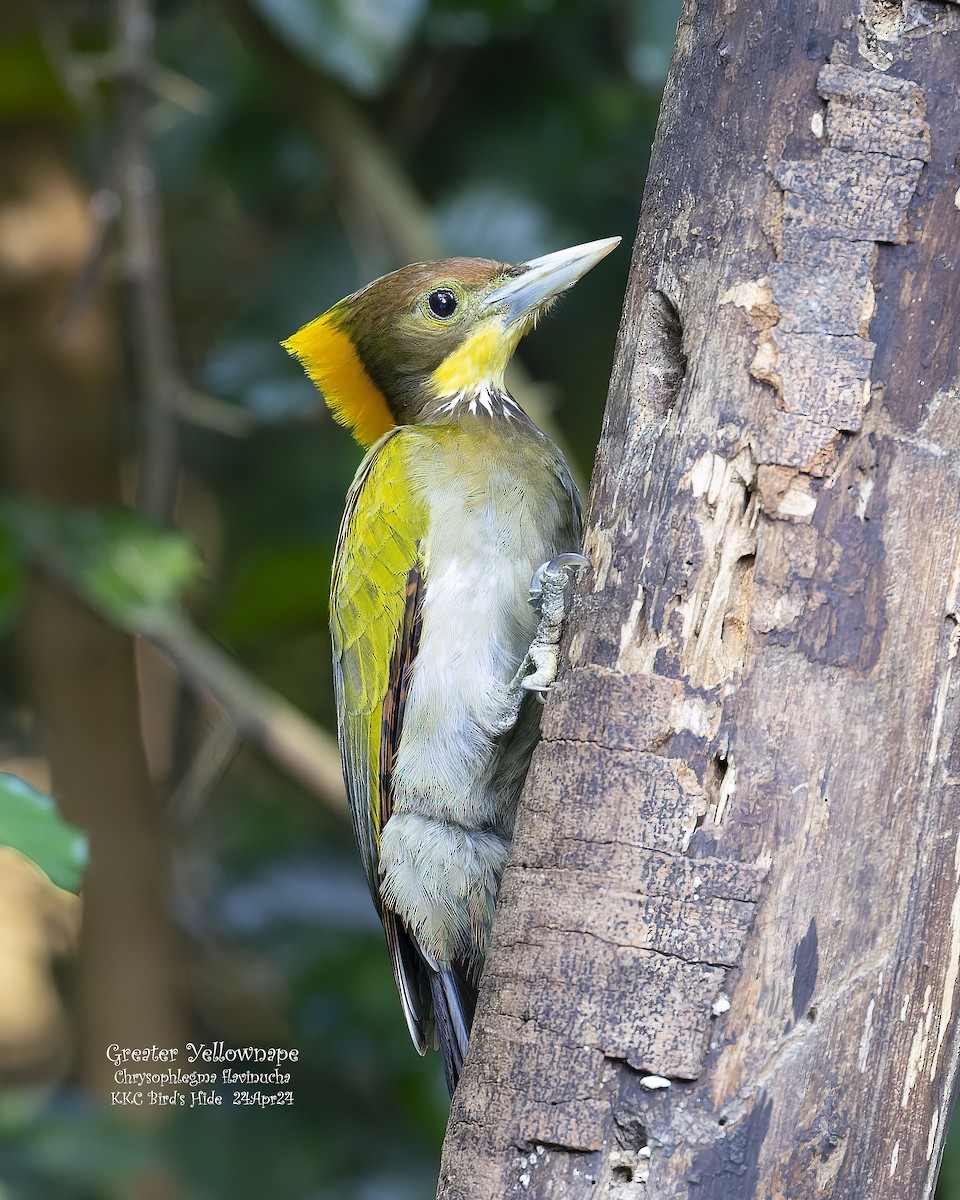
(447, 601)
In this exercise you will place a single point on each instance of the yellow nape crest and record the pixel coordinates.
(330, 358)
(481, 359)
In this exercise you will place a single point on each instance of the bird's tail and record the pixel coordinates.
(454, 998)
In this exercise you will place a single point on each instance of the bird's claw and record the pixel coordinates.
(549, 594)
(555, 569)
(543, 657)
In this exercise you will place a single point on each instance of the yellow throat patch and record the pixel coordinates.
(481, 359)
(330, 358)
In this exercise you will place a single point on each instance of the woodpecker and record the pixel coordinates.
(447, 599)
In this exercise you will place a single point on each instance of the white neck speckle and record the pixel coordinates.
(487, 399)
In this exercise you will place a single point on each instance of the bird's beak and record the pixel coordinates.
(535, 283)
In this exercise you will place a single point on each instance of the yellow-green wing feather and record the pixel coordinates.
(376, 569)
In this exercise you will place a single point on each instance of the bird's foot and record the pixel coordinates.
(549, 595)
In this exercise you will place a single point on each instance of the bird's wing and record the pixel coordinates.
(375, 613)
(568, 483)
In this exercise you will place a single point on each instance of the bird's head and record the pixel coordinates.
(394, 351)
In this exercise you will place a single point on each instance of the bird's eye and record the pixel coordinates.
(443, 303)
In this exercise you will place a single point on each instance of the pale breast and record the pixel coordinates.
(494, 517)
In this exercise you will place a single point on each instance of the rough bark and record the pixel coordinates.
(726, 957)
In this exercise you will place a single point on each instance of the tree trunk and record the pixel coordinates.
(726, 958)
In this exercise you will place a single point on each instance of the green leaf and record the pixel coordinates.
(11, 577)
(31, 825)
(358, 41)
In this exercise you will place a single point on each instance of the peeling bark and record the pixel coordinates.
(726, 957)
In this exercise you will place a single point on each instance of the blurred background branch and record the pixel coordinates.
(307, 753)
(143, 269)
(132, 574)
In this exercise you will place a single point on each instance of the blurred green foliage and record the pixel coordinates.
(11, 576)
(31, 825)
(65, 1148)
(361, 45)
(128, 568)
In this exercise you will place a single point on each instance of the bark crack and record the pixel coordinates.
(656, 951)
